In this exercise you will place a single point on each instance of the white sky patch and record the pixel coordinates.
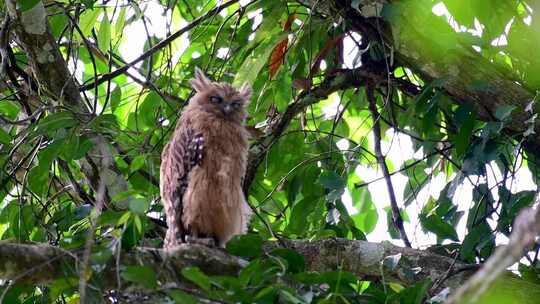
(222, 53)
(323, 65)
(332, 108)
(257, 17)
(343, 144)
(133, 45)
(523, 181)
(224, 13)
(478, 29)
(180, 44)
(527, 20)
(76, 69)
(254, 13)
(501, 40)
(351, 52)
(346, 199)
(419, 154)
(195, 55)
(439, 9)
(156, 19)
(398, 149)
(244, 2)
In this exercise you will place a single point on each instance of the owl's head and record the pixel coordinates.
(220, 99)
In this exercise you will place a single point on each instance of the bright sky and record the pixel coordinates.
(399, 150)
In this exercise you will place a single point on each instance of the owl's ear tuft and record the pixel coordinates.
(200, 82)
(245, 91)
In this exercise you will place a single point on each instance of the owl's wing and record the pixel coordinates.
(184, 151)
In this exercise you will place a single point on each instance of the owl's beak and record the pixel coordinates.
(227, 109)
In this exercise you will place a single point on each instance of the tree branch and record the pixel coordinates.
(50, 71)
(41, 264)
(158, 46)
(396, 215)
(526, 229)
(466, 76)
(340, 80)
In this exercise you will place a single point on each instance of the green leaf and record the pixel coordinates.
(84, 146)
(248, 245)
(116, 98)
(331, 180)
(181, 297)
(416, 293)
(59, 286)
(26, 5)
(137, 163)
(474, 239)
(438, 226)
(299, 218)
(88, 3)
(5, 138)
(120, 22)
(294, 260)
(142, 275)
(504, 111)
(39, 175)
(147, 109)
(195, 275)
(87, 21)
(104, 33)
(55, 121)
(465, 120)
(366, 220)
(139, 206)
(71, 148)
(252, 66)
(9, 109)
(283, 90)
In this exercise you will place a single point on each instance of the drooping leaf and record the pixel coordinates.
(142, 275)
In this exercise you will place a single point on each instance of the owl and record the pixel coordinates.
(203, 164)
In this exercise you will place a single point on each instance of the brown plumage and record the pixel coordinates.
(203, 164)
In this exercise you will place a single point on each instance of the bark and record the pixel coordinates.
(50, 72)
(41, 264)
(340, 80)
(423, 42)
(525, 230)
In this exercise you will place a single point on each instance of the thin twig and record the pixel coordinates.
(165, 42)
(100, 203)
(396, 216)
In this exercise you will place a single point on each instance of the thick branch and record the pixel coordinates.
(40, 264)
(464, 74)
(526, 229)
(50, 71)
(341, 80)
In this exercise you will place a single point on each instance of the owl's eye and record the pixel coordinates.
(216, 99)
(236, 104)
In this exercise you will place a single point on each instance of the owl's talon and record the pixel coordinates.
(209, 242)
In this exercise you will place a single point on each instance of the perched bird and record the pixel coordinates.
(203, 165)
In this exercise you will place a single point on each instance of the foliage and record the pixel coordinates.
(306, 177)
